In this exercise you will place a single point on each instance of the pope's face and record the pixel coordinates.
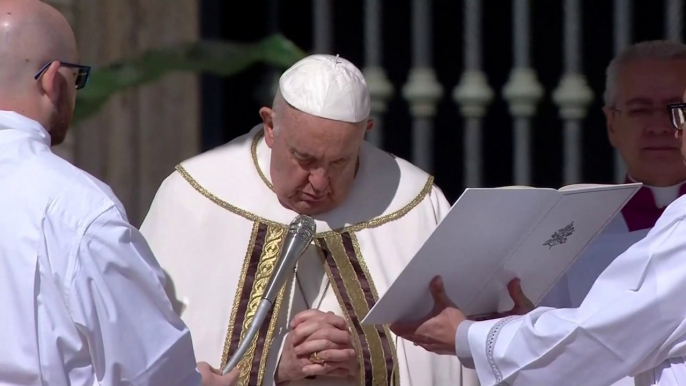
(639, 125)
(313, 160)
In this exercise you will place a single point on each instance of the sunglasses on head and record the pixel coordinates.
(81, 76)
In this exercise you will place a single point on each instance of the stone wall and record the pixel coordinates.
(135, 141)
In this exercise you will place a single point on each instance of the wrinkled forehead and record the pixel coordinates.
(319, 136)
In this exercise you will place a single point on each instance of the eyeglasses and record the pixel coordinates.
(81, 76)
(647, 115)
(677, 112)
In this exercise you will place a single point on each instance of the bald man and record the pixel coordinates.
(82, 295)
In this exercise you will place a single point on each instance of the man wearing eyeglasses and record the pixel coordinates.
(640, 83)
(633, 319)
(82, 295)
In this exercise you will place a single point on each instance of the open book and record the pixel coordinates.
(493, 235)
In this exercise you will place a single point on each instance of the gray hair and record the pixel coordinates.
(655, 49)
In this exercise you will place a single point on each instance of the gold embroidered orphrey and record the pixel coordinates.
(346, 270)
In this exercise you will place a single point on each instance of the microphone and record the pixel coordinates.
(298, 237)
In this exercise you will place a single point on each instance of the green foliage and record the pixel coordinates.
(211, 57)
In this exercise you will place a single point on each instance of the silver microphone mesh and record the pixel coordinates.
(303, 226)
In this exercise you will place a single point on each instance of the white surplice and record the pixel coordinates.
(81, 297)
(617, 237)
(206, 223)
(633, 321)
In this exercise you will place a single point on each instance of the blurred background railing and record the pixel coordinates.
(477, 92)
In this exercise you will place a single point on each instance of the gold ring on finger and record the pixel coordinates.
(315, 359)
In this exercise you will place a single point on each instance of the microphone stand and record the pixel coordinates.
(299, 236)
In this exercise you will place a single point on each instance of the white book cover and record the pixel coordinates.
(493, 235)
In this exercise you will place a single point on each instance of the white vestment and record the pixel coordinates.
(216, 227)
(617, 237)
(81, 294)
(633, 321)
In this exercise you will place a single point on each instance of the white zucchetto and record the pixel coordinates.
(326, 86)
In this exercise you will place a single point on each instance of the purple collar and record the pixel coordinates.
(641, 212)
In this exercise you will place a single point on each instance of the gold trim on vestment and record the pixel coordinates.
(373, 223)
(357, 298)
(270, 335)
(346, 316)
(275, 313)
(253, 152)
(233, 209)
(268, 260)
(360, 258)
(265, 267)
(357, 295)
(236, 299)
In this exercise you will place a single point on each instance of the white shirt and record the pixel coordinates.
(81, 293)
(633, 321)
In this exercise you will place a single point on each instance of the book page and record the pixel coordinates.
(583, 186)
(553, 246)
(491, 236)
(520, 187)
(471, 243)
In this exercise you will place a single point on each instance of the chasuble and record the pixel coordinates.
(216, 227)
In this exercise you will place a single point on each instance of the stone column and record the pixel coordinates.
(622, 13)
(573, 95)
(135, 141)
(472, 94)
(523, 91)
(422, 90)
(380, 88)
(674, 16)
